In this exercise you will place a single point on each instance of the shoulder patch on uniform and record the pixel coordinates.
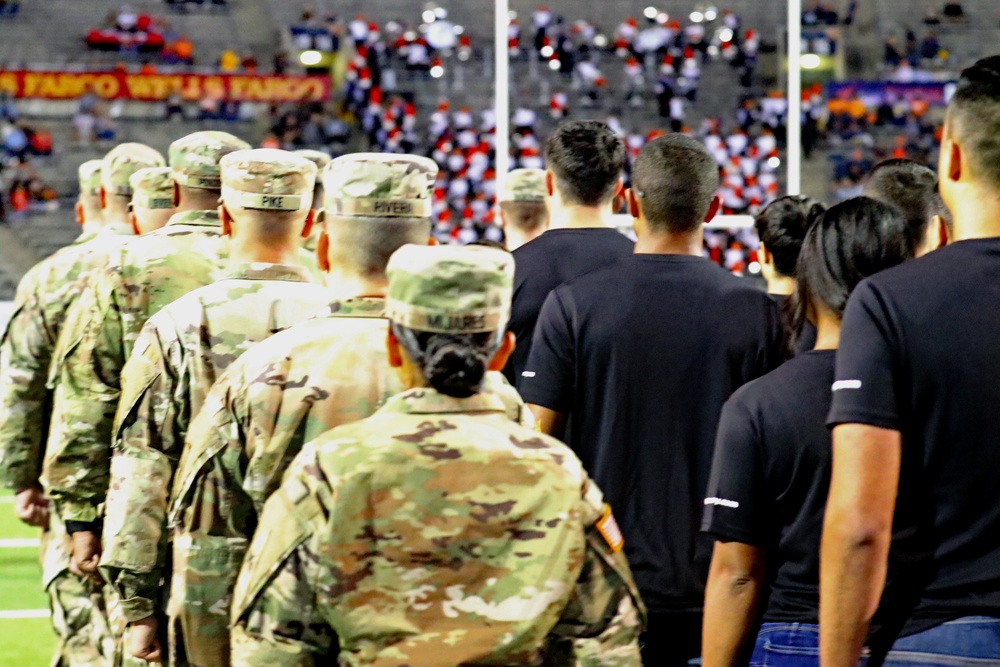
(609, 530)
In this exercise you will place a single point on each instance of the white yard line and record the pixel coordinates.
(20, 543)
(16, 614)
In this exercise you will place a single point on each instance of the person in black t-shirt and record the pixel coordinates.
(916, 424)
(631, 365)
(782, 227)
(771, 470)
(913, 189)
(585, 159)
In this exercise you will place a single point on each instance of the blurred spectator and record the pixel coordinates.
(9, 8)
(954, 11)
(281, 62)
(127, 20)
(229, 62)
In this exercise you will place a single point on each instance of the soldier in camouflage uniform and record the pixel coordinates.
(79, 607)
(320, 159)
(141, 277)
(319, 374)
(152, 203)
(437, 531)
(266, 211)
(521, 200)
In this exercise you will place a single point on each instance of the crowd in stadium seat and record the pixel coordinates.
(21, 189)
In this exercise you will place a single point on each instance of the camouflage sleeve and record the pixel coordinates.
(600, 626)
(276, 617)
(78, 454)
(25, 402)
(147, 447)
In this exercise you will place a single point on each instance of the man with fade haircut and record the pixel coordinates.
(912, 524)
(152, 203)
(142, 276)
(438, 531)
(913, 189)
(320, 159)
(585, 160)
(521, 201)
(28, 350)
(631, 365)
(266, 211)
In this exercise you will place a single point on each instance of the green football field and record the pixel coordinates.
(26, 638)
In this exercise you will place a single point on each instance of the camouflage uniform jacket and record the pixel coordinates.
(145, 275)
(436, 532)
(44, 296)
(177, 357)
(300, 383)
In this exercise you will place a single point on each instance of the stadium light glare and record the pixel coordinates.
(650, 13)
(311, 58)
(601, 41)
(662, 18)
(554, 64)
(697, 17)
(428, 16)
(809, 61)
(711, 14)
(441, 13)
(437, 71)
(459, 30)
(512, 15)
(726, 35)
(754, 267)
(547, 51)
(774, 162)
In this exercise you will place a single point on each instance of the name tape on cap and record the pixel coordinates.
(265, 202)
(146, 201)
(383, 208)
(457, 323)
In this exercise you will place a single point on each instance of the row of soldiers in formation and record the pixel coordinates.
(146, 420)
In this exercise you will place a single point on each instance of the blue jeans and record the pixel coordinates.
(972, 641)
(788, 645)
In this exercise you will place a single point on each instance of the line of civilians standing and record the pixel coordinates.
(802, 477)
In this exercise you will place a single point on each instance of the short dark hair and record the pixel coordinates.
(525, 215)
(587, 158)
(675, 178)
(782, 227)
(974, 119)
(852, 241)
(913, 189)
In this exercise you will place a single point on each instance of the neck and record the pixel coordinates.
(204, 200)
(241, 252)
(92, 226)
(670, 243)
(827, 331)
(580, 217)
(977, 214)
(345, 285)
(516, 238)
(781, 285)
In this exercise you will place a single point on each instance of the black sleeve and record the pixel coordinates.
(736, 503)
(864, 388)
(548, 378)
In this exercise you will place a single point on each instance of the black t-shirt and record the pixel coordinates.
(920, 354)
(642, 354)
(545, 263)
(771, 476)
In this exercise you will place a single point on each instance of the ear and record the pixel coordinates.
(953, 166)
(550, 184)
(104, 198)
(79, 213)
(177, 194)
(392, 347)
(310, 222)
(501, 356)
(323, 252)
(227, 221)
(135, 224)
(502, 216)
(713, 209)
(632, 202)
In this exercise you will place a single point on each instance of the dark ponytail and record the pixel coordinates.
(852, 241)
(782, 227)
(455, 365)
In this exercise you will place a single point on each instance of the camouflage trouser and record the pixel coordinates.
(80, 607)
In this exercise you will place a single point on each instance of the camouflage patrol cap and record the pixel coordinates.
(379, 185)
(195, 158)
(124, 160)
(318, 158)
(267, 179)
(89, 175)
(152, 188)
(450, 289)
(523, 185)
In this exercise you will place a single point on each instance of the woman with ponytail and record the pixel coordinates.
(439, 530)
(771, 471)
